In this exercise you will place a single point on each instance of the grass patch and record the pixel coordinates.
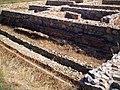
(3, 84)
(1, 81)
(14, 1)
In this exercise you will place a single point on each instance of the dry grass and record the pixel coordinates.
(62, 50)
(21, 5)
(3, 84)
(19, 75)
(14, 1)
(16, 74)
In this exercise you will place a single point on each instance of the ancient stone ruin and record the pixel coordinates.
(76, 40)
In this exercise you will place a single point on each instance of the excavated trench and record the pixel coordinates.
(51, 45)
(55, 46)
(62, 47)
(45, 53)
(66, 41)
(66, 73)
(36, 42)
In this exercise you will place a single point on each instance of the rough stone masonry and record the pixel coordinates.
(90, 27)
(97, 35)
(105, 77)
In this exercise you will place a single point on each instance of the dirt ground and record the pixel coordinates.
(21, 5)
(16, 74)
(62, 50)
(19, 75)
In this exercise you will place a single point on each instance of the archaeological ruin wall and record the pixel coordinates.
(73, 4)
(39, 8)
(111, 2)
(91, 14)
(100, 38)
(58, 3)
(85, 30)
(105, 77)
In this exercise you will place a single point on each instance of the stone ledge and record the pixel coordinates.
(45, 62)
(104, 36)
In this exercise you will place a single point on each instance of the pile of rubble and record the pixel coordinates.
(107, 76)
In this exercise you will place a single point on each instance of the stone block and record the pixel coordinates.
(58, 3)
(111, 2)
(72, 15)
(111, 18)
(38, 8)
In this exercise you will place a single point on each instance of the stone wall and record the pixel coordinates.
(105, 77)
(38, 8)
(111, 19)
(72, 15)
(33, 53)
(83, 1)
(95, 4)
(92, 14)
(77, 1)
(101, 38)
(111, 2)
(58, 3)
(72, 2)
(107, 7)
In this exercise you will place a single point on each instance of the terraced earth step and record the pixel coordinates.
(48, 78)
(64, 51)
(62, 71)
(95, 44)
(55, 57)
(38, 35)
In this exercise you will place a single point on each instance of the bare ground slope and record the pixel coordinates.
(19, 75)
